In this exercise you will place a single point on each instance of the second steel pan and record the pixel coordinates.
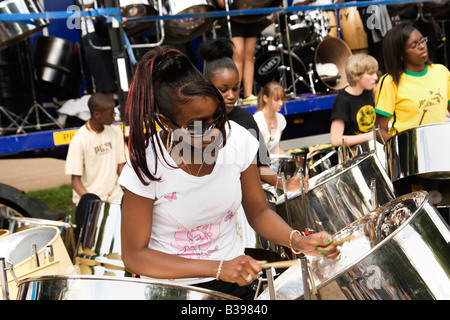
(185, 29)
(340, 195)
(17, 249)
(419, 159)
(16, 224)
(99, 248)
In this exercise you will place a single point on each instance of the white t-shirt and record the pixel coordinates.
(95, 157)
(272, 137)
(194, 217)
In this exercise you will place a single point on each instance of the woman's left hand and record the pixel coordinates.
(316, 244)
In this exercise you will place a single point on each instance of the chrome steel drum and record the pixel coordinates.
(29, 253)
(66, 230)
(419, 159)
(340, 195)
(11, 32)
(99, 248)
(137, 9)
(186, 29)
(110, 288)
(400, 251)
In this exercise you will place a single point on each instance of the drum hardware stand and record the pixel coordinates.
(12, 117)
(36, 107)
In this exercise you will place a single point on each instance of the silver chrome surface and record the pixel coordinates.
(186, 29)
(99, 247)
(17, 247)
(423, 151)
(340, 195)
(410, 262)
(15, 224)
(109, 288)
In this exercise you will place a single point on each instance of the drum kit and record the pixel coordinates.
(302, 51)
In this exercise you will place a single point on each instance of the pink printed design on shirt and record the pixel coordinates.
(196, 242)
(171, 197)
(230, 215)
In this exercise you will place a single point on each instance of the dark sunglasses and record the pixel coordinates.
(198, 128)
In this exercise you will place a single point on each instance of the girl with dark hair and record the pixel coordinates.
(413, 91)
(221, 70)
(184, 183)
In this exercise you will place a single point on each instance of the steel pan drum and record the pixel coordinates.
(186, 29)
(99, 248)
(16, 224)
(400, 251)
(110, 288)
(11, 32)
(137, 9)
(419, 158)
(17, 248)
(340, 195)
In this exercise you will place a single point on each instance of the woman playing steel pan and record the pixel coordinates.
(184, 183)
(414, 91)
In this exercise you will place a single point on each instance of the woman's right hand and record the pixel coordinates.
(242, 270)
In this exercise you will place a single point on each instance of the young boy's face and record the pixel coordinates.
(368, 80)
(107, 115)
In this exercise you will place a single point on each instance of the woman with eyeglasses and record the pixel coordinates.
(184, 183)
(414, 91)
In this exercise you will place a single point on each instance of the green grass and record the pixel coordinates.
(57, 199)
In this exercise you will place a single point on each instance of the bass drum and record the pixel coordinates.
(186, 29)
(274, 66)
(57, 67)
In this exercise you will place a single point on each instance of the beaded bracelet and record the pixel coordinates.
(219, 269)
(290, 241)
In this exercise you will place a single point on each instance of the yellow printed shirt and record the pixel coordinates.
(419, 94)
